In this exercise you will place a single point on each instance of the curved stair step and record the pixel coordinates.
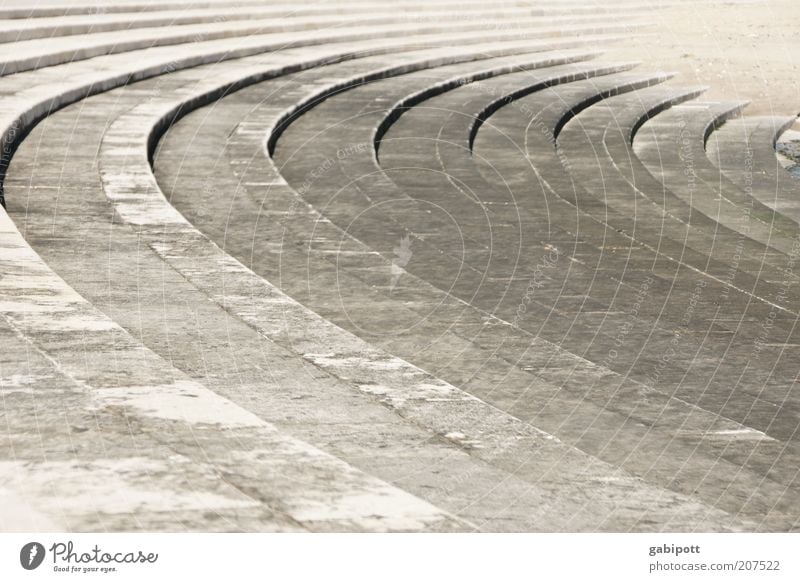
(135, 444)
(249, 132)
(744, 149)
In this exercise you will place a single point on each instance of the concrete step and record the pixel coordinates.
(721, 198)
(404, 389)
(420, 142)
(519, 507)
(33, 54)
(331, 193)
(32, 96)
(289, 15)
(226, 209)
(712, 255)
(14, 9)
(177, 188)
(101, 433)
(744, 149)
(625, 114)
(281, 348)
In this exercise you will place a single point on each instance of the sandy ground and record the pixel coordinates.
(739, 50)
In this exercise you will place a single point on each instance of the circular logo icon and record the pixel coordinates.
(31, 555)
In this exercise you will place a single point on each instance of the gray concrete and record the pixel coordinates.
(411, 273)
(744, 150)
(341, 202)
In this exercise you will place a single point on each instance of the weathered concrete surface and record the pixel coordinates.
(436, 324)
(30, 102)
(538, 502)
(341, 202)
(244, 141)
(744, 149)
(118, 431)
(29, 55)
